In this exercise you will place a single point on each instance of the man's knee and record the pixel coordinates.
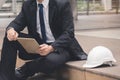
(55, 60)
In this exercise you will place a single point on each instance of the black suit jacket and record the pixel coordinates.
(61, 25)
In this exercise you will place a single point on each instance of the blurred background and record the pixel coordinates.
(82, 9)
(83, 6)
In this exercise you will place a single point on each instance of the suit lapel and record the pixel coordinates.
(52, 9)
(33, 10)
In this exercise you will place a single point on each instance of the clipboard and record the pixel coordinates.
(29, 44)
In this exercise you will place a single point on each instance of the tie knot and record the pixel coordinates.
(40, 6)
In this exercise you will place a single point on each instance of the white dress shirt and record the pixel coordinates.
(49, 35)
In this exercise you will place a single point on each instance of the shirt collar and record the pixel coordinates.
(44, 2)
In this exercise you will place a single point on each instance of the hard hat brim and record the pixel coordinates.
(91, 66)
(96, 65)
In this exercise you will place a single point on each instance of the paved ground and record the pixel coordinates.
(83, 22)
(92, 25)
(97, 21)
(104, 33)
(4, 22)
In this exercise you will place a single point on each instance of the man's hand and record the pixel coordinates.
(45, 49)
(12, 35)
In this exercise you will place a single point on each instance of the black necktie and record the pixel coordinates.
(42, 24)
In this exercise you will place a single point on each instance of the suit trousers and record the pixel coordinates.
(37, 63)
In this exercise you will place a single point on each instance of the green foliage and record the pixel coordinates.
(93, 6)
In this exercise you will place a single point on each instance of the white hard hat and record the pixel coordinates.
(98, 56)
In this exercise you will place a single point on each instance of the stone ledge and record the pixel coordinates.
(7, 15)
(108, 72)
(77, 72)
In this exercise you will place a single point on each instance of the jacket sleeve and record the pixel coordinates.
(19, 23)
(67, 35)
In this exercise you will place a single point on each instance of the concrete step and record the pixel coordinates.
(7, 7)
(2, 2)
(77, 72)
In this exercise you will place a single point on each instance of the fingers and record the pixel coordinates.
(43, 47)
(42, 53)
(43, 50)
(12, 35)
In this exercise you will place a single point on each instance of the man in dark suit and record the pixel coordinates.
(53, 18)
